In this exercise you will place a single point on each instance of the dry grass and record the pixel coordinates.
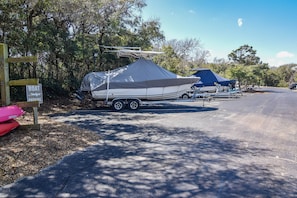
(25, 152)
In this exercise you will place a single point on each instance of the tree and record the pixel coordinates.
(260, 73)
(219, 66)
(238, 72)
(245, 55)
(271, 78)
(66, 35)
(187, 49)
(189, 52)
(286, 74)
(169, 60)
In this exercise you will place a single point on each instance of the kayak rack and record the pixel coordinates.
(6, 83)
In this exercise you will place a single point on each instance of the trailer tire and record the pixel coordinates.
(133, 104)
(185, 96)
(118, 105)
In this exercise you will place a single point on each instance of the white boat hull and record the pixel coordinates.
(152, 93)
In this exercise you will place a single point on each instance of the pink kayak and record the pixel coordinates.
(10, 112)
(6, 127)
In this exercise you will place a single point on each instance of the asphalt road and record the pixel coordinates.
(244, 147)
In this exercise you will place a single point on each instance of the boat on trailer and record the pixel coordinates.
(140, 81)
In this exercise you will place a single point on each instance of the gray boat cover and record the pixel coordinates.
(140, 74)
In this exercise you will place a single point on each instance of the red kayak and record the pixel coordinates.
(6, 127)
(10, 112)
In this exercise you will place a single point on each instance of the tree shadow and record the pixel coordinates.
(158, 108)
(152, 161)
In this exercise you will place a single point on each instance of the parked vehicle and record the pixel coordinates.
(293, 86)
(140, 81)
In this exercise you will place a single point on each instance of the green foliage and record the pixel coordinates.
(66, 34)
(239, 73)
(169, 60)
(245, 55)
(271, 78)
(286, 74)
(249, 70)
(181, 56)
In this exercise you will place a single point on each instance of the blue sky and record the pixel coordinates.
(269, 26)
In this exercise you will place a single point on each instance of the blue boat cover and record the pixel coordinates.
(209, 78)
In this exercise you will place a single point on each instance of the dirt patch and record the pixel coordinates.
(25, 152)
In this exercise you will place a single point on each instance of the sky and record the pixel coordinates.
(221, 26)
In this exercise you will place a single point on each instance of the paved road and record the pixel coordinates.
(243, 147)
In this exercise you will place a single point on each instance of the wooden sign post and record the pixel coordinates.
(4, 75)
(6, 83)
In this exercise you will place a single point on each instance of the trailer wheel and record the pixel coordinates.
(133, 104)
(185, 96)
(118, 105)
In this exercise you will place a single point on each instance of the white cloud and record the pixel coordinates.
(240, 22)
(192, 12)
(284, 54)
(274, 62)
(281, 58)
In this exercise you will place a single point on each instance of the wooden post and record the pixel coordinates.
(35, 115)
(4, 75)
(5, 83)
(34, 105)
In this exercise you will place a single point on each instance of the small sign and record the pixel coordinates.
(23, 82)
(34, 93)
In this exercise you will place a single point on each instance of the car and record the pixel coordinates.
(293, 86)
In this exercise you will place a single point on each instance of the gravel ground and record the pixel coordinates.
(25, 152)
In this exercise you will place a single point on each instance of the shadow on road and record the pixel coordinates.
(151, 161)
(156, 109)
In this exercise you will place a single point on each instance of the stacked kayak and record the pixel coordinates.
(6, 127)
(7, 118)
